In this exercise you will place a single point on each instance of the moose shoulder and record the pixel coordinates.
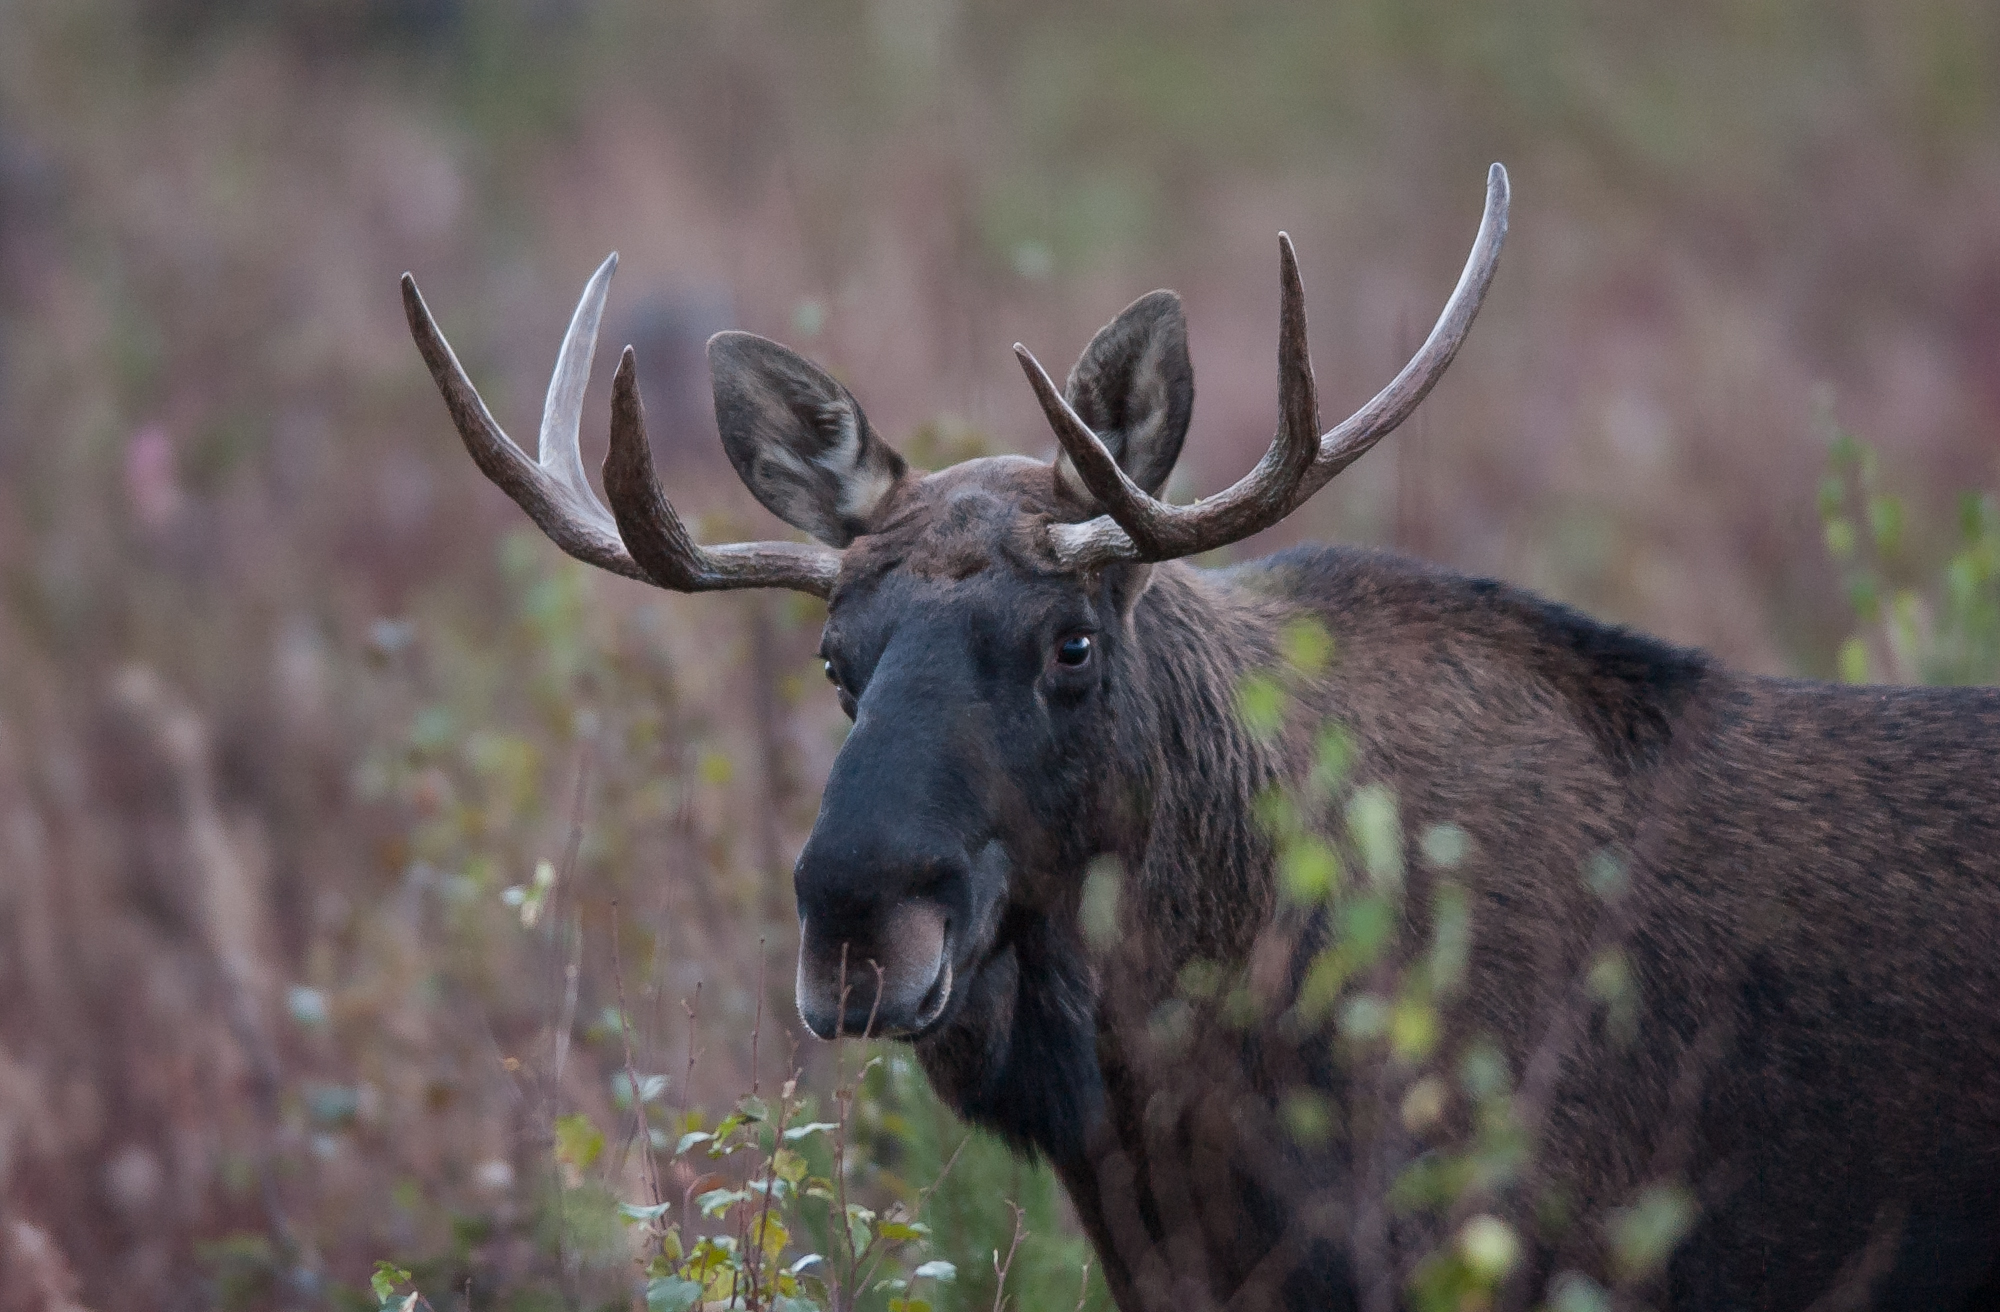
(1734, 934)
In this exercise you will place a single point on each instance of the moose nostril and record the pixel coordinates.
(877, 977)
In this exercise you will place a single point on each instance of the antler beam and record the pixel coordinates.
(1138, 527)
(641, 537)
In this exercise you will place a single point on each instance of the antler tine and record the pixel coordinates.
(658, 539)
(1392, 405)
(558, 448)
(1299, 462)
(552, 489)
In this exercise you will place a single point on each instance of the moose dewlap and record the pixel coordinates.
(1345, 932)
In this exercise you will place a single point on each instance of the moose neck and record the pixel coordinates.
(1195, 861)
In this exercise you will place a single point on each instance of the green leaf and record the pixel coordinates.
(1365, 926)
(671, 1294)
(1445, 846)
(578, 1142)
(788, 1166)
(1308, 1117)
(1646, 1233)
(1854, 665)
(1372, 820)
(1574, 1292)
(903, 1231)
(798, 1132)
(1885, 522)
(387, 1276)
(1605, 873)
(1260, 703)
(935, 1269)
(770, 1235)
(1413, 1029)
(1333, 758)
(1483, 1072)
(860, 1227)
(1609, 977)
(1489, 1246)
(1306, 645)
(1306, 870)
(753, 1110)
(641, 1212)
(1451, 937)
(1364, 1017)
(690, 1140)
(717, 1201)
(650, 1088)
(1098, 908)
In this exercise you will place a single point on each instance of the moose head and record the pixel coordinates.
(977, 617)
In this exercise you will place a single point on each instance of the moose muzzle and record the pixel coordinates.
(887, 975)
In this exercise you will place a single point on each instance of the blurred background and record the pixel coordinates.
(327, 786)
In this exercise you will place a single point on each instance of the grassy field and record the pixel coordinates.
(327, 788)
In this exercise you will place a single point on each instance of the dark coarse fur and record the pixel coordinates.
(1810, 920)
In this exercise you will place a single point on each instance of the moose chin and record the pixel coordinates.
(1802, 910)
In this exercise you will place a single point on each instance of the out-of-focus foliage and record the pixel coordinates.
(325, 788)
(1913, 629)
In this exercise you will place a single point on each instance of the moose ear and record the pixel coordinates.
(798, 439)
(1135, 388)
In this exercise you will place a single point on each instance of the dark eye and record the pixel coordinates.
(831, 677)
(1075, 650)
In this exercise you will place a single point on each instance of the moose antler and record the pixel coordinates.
(641, 536)
(1300, 461)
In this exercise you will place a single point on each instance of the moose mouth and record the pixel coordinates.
(897, 987)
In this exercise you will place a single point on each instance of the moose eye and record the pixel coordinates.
(831, 677)
(1075, 650)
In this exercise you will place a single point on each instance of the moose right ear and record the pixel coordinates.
(798, 439)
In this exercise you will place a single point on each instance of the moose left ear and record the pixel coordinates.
(798, 439)
(1134, 386)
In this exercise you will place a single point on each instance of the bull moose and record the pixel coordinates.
(1808, 914)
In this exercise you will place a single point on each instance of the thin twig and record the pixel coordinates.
(1002, 1267)
(693, 1010)
(564, 888)
(843, 1096)
(631, 1070)
(757, 1026)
